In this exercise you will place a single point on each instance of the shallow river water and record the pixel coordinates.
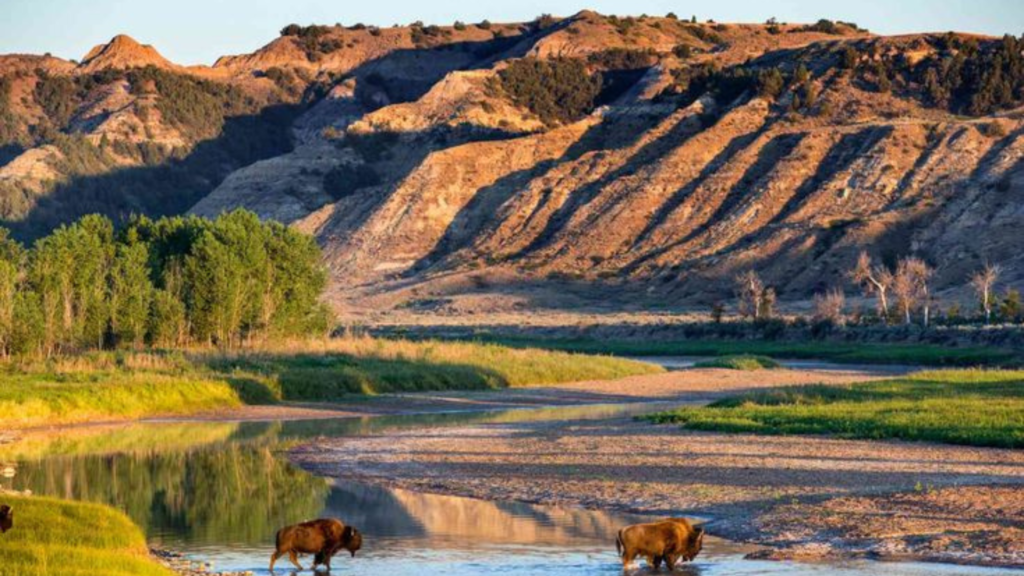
(219, 491)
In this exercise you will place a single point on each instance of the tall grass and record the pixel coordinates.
(107, 386)
(973, 407)
(72, 539)
(374, 366)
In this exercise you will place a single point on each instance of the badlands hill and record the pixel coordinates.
(563, 162)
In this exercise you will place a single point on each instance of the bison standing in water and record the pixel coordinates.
(324, 538)
(6, 518)
(666, 541)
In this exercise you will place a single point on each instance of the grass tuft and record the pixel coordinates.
(971, 407)
(740, 362)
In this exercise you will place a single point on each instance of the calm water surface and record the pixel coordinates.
(219, 492)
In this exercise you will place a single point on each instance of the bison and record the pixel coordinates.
(665, 541)
(6, 518)
(324, 538)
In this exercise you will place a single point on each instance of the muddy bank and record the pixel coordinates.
(803, 497)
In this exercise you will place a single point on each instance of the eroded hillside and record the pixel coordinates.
(590, 160)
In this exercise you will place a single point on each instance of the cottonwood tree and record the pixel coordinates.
(11, 260)
(131, 293)
(910, 286)
(170, 282)
(983, 282)
(755, 299)
(875, 280)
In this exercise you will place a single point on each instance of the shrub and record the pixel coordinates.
(683, 51)
(622, 59)
(346, 179)
(559, 90)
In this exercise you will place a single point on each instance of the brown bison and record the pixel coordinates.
(665, 541)
(324, 538)
(6, 518)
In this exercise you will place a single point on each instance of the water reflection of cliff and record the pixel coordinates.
(230, 493)
(385, 512)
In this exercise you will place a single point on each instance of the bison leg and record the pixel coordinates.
(670, 561)
(274, 557)
(651, 559)
(295, 560)
(627, 557)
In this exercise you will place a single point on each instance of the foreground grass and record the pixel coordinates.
(120, 386)
(851, 353)
(746, 362)
(72, 539)
(973, 407)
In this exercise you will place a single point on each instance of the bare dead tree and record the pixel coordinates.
(766, 306)
(984, 282)
(875, 281)
(828, 307)
(910, 286)
(750, 292)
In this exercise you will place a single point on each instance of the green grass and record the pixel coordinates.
(124, 386)
(972, 407)
(72, 539)
(849, 353)
(36, 399)
(740, 362)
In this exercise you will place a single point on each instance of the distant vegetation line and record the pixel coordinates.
(840, 352)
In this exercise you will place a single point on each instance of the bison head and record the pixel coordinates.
(6, 518)
(351, 540)
(695, 544)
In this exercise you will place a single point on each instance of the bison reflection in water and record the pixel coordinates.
(324, 538)
(666, 541)
(6, 518)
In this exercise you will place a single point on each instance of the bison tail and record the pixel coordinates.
(618, 542)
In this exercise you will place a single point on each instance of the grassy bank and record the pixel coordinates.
(72, 539)
(118, 386)
(850, 353)
(974, 407)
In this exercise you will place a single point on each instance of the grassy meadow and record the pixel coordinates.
(972, 407)
(73, 539)
(128, 385)
(847, 353)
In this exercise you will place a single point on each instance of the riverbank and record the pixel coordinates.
(803, 497)
(74, 538)
(105, 387)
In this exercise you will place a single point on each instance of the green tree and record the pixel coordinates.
(131, 293)
(167, 324)
(11, 260)
(28, 336)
